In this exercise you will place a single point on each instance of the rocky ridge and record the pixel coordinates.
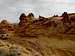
(52, 36)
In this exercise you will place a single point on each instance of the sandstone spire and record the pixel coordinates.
(65, 18)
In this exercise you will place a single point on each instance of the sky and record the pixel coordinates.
(11, 9)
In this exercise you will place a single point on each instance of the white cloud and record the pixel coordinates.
(13, 8)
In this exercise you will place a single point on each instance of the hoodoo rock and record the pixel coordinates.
(30, 15)
(22, 19)
(25, 20)
(65, 18)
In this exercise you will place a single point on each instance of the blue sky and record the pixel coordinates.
(11, 9)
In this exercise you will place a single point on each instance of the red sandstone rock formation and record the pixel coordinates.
(65, 18)
(25, 20)
(60, 24)
(7, 27)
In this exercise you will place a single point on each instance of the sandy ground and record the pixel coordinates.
(43, 46)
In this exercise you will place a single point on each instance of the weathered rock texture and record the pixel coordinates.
(52, 36)
(58, 24)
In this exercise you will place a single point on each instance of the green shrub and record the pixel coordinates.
(11, 52)
(3, 52)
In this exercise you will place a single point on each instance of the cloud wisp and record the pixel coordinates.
(13, 8)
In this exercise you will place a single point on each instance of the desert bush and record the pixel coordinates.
(14, 52)
(11, 52)
(3, 52)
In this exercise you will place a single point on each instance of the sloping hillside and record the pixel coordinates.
(52, 36)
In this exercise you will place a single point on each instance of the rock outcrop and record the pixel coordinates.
(6, 26)
(6, 30)
(59, 24)
(69, 22)
(65, 18)
(39, 36)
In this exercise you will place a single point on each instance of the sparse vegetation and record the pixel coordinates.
(10, 52)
